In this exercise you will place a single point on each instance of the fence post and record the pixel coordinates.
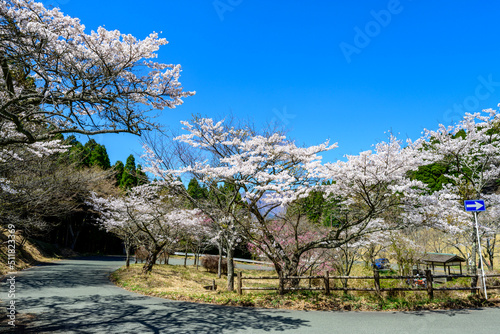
(327, 283)
(376, 280)
(473, 284)
(281, 287)
(430, 289)
(240, 283)
(214, 287)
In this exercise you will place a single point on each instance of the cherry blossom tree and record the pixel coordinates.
(405, 251)
(56, 78)
(490, 223)
(111, 218)
(13, 154)
(266, 170)
(148, 216)
(376, 245)
(292, 234)
(373, 191)
(201, 237)
(471, 151)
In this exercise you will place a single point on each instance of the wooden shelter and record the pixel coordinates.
(433, 261)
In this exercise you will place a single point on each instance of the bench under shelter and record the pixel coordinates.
(437, 261)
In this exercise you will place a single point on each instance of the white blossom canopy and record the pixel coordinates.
(56, 78)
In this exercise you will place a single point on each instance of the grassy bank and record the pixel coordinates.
(187, 284)
(27, 255)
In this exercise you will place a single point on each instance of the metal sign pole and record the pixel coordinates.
(480, 255)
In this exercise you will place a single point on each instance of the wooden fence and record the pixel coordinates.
(429, 283)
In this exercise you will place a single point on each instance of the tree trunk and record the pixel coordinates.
(230, 269)
(127, 251)
(281, 282)
(151, 260)
(490, 251)
(185, 256)
(348, 263)
(74, 236)
(290, 268)
(292, 282)
(219, 266)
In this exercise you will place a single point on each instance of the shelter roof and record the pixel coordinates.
(441, 258)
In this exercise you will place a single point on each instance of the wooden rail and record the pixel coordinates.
(429, 286)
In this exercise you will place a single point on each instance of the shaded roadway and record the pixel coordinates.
(76, 296)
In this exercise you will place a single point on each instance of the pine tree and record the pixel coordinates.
(99, 157)
(195, 190)
(88, 148)
(118, 167)
(129, 177)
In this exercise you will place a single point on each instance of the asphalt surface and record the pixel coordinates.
(238, 265)
(75, 296)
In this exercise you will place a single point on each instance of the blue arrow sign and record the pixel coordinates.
(475, 205)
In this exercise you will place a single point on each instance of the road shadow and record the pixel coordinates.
(140, 314)
(72, 273)
(100, 258)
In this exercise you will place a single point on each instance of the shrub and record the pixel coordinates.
(492, 281)
(140, 254)
(211, 263)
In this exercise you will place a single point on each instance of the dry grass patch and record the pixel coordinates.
(173, 279)
(180, 283)
(27, 255)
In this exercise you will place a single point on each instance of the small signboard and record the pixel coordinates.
(474, 205)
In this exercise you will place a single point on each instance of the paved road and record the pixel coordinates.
(251, 266)
(75, 296)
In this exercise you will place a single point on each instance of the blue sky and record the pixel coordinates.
(341, 70)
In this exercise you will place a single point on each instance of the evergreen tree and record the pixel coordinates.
(99, 157)
(88, 155)
(318, 209)
(71, 140)
(313, 205)
(96, 155)
(195, 190)
(88, 147)
(118, 167)
(229, 193)
(129, 177)
(433, 175)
